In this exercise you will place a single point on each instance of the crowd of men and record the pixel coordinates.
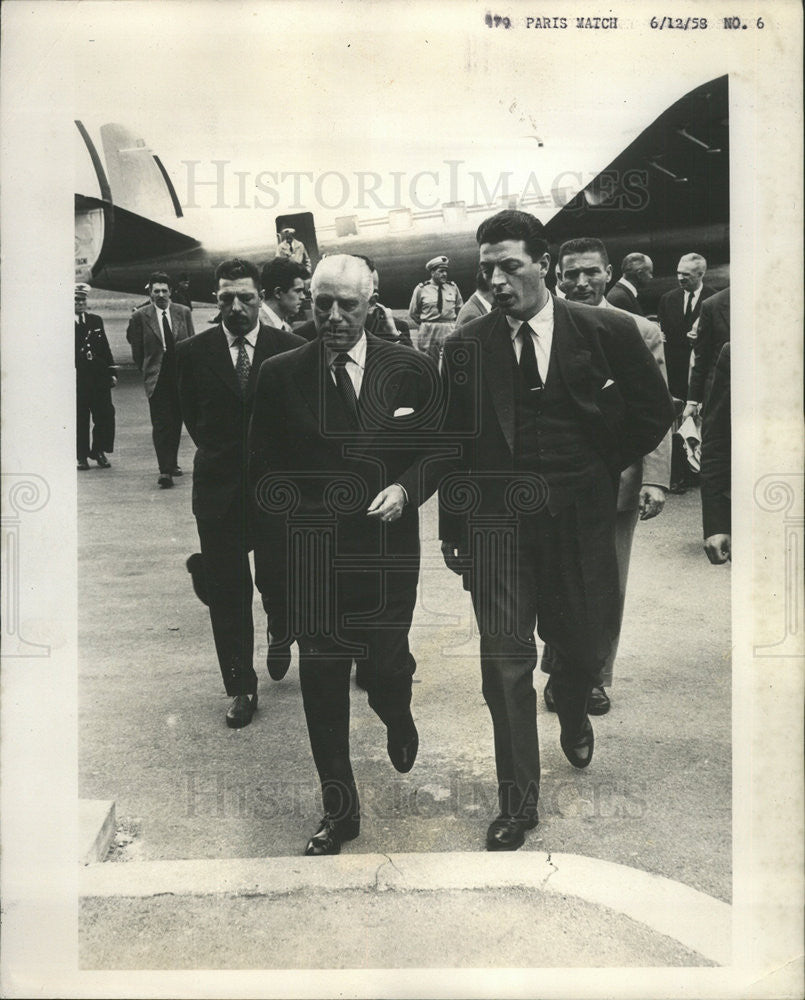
(543, 422)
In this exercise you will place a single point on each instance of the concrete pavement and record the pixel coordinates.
(656, 797)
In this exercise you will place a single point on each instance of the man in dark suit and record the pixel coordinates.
(339, 433)
(217, 372)
(478, 304)
(153, 332)
(712, 332)
(636, 271)
(717, 464)
(94, 378)
(282, 287)
(550, 401)
(677, 312)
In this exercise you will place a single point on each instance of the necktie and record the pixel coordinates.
(689, 311)
(345, 386)
(439, 300)
(242, 366)
(168, 333)
(528, 368)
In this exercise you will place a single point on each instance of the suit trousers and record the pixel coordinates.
(625, 524)
(94, 398)
(377, 639)
(166, 418)
(557, 573)
(225, 552)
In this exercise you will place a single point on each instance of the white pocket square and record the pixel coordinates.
(403, 411)
(607, 384)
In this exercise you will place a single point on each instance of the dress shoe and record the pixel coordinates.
(82, 465)
(507, 833)
(598, 703)
(278, 659)
(240, 712)
(176, 471)
(195, 567)
(402, 743)
(165, 480)
(580, 751)
(547, 694)
(101, 459)
(330, 835)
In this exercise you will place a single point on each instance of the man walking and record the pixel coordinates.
(550, 401)
(153, 332)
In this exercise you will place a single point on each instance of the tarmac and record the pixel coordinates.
(210, 822)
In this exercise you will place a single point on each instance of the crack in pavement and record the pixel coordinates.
(550, 874)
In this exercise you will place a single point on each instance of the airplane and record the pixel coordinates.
(665, 194)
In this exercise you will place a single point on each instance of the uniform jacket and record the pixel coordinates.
(217, 415)
(424, 302)
(93, 356)
(615, 385)
(712, 333)
(144, 335)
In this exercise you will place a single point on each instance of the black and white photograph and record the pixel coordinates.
(372, 620)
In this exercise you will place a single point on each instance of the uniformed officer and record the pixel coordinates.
(434, 306)
(94, 377)
(293, 249)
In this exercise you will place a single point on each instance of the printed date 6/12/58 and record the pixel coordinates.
(678, 23)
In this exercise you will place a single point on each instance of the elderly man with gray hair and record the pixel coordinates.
(637, 270)
(340, 431)
(677, 313)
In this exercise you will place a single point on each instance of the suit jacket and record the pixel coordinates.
(217, 415)
(655, 467)
(144, 335)
(307, 330)
(615, 385)
(716, 452)
(712, 333)
(624, 298)
(473, 308)
(307, 461)
(674, 328)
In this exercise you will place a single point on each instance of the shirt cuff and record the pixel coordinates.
(405, 492)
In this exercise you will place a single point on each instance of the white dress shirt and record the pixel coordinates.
(627, 284)
(161, 320)
(693, 297)
(541, 327)
(356, 365)
(249, 340)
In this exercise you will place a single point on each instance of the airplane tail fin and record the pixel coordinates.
(125, 203)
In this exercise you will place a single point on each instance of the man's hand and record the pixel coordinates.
(387, 326)
(718, 548)
(691, 410)
(652, 501)
(388, 504)
(452, 560)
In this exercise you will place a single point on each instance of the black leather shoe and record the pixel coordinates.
(580, 751)
(278, 659)
(101, 459)
(176, 471)
(195, 567)
(507, 833)
(598, 703)
(82, 465)
(240, 712)
(547, 694)
(403, 743)
(165, 480)
(330, 835)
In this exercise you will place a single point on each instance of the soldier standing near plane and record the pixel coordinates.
(292, 249)
(94, 378)
(434, 307)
